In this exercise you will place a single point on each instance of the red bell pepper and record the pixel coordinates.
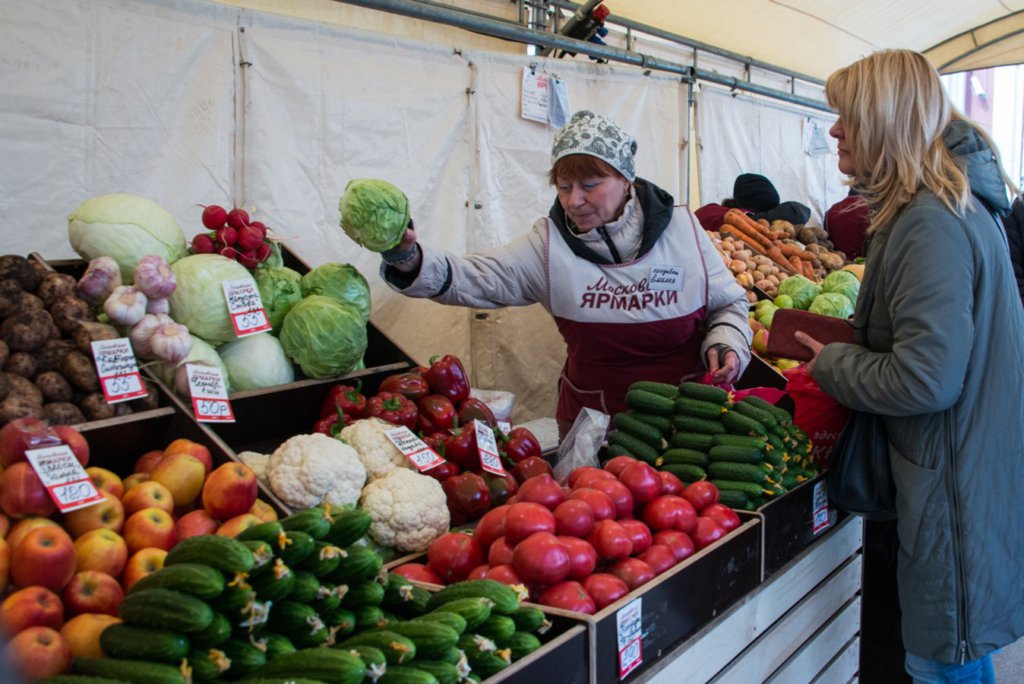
(437, 413)
(502, 487)
(443, 472)
(331, 425)
(472, 409)
(521, 444)
(412, 385)
(394, 408)
(347, 398)
(460, 448)
(447, 377)
(469, 497)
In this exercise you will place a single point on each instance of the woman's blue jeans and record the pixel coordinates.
(925, 671)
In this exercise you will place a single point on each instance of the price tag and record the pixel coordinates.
(628, 622)
(414, 448)
(505, 426)
(117, 370)
(488, 448)
(246, 308)
(820, 519)
(64, 478)
(209, 397)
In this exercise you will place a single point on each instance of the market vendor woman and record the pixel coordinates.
(632, 281)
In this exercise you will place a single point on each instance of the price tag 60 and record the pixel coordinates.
(246, 308)
(117, 370)
(488, 448)
(414, 448)
(63, 477)
(209, 396)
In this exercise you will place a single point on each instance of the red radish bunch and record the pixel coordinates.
(233, 235)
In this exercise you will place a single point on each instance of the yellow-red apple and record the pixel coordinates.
(5, 525)
(74, 440)
(140, 564)
(38, 652)
(22, 493)
(182, 474)
(195, 449)
(149, 494)
(233, 526)
(29, 607)
(229, 490)
(146, 462)
(150, 527)
(196, 523)
(102, 550)
(45, 557)
(106, 515)
(92, 592)
(134, 479)
(24, 526)
(82, 633)
(264, 511)
(5, 563)
(106, 480)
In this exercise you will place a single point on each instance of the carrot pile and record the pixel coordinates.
(762, 240)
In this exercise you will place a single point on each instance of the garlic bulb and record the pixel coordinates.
(101, 276)
(154, 277)
(125, 306)
(142, 332)
(171, 342)
(159, 306)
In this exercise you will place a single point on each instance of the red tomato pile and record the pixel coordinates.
(434, 402)
(584, 546)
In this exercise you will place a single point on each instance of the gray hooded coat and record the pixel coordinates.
(945, 364)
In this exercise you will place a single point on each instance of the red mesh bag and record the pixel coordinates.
(816, 413)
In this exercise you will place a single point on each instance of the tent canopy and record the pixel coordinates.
(816, 37)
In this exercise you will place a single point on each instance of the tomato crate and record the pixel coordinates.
(116, 443)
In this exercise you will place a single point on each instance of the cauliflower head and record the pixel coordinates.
(257, 462)
(308, 469)
(407, 510)
(379, 456)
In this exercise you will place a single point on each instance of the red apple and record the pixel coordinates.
(45, 557)
(38, 652)
(21, 528)
(132, 480)
(102, 550)
(22, 493)
(106, 480)
(140, 564)
(150, 494)
(182, 474)
(21, 434)
(147, 461)
(82, 633)
(74, 440)
(196, 523)
(106, 515)
(264, 511)
(195, 449)
(233, 526)
(5, 563)
(150, 527)
(5, 525)
(92, 592)
(229, 490)
(29, 607)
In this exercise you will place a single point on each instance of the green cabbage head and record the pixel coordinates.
(198, 301)
(802, 291)
(843, 282)
(324, 336)
(255, 362)
(832, 304)
(280, 290)
(126, 228)
(374, 213)
(343, 282)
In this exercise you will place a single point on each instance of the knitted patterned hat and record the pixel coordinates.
(593, 134)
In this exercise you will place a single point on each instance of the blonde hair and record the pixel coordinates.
(894, 111)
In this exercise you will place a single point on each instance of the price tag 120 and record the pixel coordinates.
(209, 397)
(64, 478)
(246, 308)
(414, 448)
(117, 370)
(628, 622)
(488, 448)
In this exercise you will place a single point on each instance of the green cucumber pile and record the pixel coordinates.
(300, 600)
(750, 449)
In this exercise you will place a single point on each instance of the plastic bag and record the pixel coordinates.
(769, 394)
(580, 446)
(816, 413)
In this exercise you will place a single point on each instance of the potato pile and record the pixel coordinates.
(751, 270)
(45, 334)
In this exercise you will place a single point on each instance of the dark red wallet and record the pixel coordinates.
(824, 329)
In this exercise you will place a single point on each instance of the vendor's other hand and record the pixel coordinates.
(723, 364)
(814, 345)
(405, 256)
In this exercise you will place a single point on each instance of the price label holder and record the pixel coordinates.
(209, 396)
(488, 448)
(246, 308)
(64, 477)
(505, 426)
(820, 515)
(414, 448)
(628, 623)
(117, 370)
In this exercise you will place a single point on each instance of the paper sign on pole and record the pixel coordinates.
(488, 448)
(414, 448)
(64, 477)
(209, 396)
(117, 370)
(246, 308)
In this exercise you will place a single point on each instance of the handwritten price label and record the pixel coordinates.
(63, 477)
(414, 448)
(628, 622)
(246, 308)
(488, 448)
(117, 370)
(821, 520)
(209, 396)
